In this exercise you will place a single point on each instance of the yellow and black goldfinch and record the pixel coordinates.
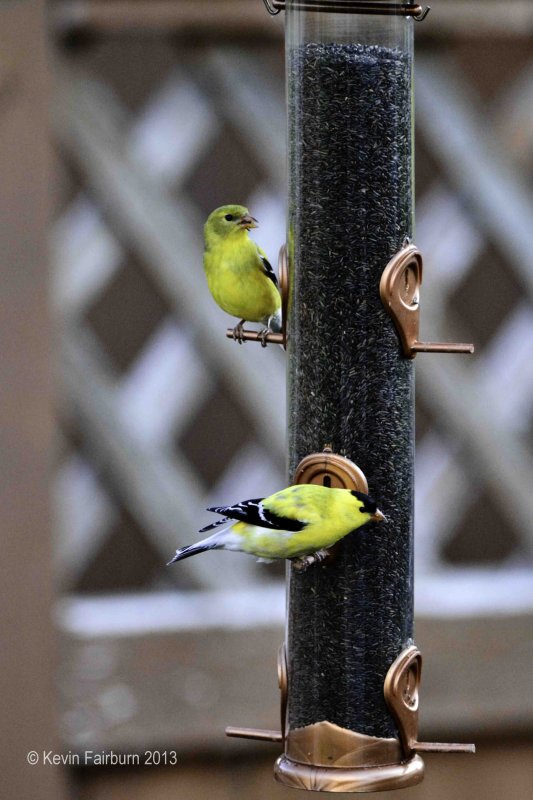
(299, 523)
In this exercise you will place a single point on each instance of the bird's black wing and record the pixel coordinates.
(254, 513)
(269, 272)
(213, 524)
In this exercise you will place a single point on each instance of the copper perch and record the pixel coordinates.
(255, 336)
(254, 733)
(399, 289)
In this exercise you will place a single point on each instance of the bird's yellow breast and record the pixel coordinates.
(237, 281)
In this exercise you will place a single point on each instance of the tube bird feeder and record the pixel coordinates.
(350, 669)
(350, 210)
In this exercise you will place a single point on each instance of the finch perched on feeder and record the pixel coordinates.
(299, 523)
(239, 276)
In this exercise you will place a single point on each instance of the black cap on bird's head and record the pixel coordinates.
(369, 506)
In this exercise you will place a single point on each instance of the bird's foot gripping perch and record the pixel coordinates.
(263, 335)
(304, 562)
(238, 332)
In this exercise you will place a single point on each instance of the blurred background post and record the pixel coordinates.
(29, 658)
(156, 112)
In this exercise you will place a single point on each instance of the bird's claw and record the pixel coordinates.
(237, 332)
(262, 336)
(303, 563)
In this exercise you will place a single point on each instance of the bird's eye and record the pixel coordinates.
(229, 217)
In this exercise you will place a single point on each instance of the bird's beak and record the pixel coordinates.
(248, 222)
(378, 516)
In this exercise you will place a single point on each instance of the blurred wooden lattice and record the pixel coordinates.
(163, 416)
(475, 466)
(172, 416)
(168, 416)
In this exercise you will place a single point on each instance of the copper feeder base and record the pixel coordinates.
(353, 779)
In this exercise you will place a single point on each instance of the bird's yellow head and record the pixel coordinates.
(368, 507)
(228, 221)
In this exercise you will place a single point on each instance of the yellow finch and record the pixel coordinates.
(300, 523)
(239, 276)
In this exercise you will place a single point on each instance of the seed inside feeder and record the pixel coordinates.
(350, 209)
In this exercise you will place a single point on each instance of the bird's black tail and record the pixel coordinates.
(192, 549)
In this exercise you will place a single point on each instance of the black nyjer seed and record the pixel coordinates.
(350, 209)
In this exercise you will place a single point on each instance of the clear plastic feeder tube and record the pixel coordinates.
(350, 209)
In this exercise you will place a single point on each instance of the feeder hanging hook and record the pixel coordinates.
(272, 9)
(409, 9)
(421, 16)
